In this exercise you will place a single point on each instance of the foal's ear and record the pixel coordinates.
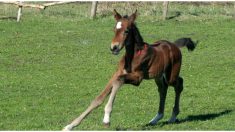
(117, 16)
(133, 17)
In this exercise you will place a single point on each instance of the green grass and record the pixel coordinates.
(53, 63)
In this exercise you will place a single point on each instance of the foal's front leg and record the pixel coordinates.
(120, 80)
(108, 108)
(94, 104)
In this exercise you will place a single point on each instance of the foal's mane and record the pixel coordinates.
(134, 41)
(133, 31)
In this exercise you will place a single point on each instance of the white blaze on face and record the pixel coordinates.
(119, 25)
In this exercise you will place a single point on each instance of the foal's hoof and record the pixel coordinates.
(107, 125)
(67, 128)
(174, 120)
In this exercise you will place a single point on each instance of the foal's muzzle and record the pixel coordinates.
(115, 50)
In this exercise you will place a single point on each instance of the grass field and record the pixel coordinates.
(53, 63)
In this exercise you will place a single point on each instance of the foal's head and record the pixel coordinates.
(121, 30)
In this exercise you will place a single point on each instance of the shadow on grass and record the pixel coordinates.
(8, 18)
(190, 118)
(177, 14)
(204, 117)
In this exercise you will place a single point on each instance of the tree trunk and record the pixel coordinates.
(165, 9)
(93, 9)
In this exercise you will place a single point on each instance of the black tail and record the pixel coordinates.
(186, 42)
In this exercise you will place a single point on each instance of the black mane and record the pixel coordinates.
(133, 41)
(138, 38)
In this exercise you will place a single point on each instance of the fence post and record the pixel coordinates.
(234, 10)
(165, 9)
(19, 12)
(93, 9)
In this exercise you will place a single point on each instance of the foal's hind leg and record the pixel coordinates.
(162, 89)
(178, 86)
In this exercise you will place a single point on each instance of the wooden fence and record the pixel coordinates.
(93, 12)
(43, 6)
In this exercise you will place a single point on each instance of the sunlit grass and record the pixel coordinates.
(53, 64)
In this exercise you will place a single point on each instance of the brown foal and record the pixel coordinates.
(160, 61)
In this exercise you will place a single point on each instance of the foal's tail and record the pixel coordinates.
(186, 42)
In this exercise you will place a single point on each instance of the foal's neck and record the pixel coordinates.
(133, 43)
(134, 40)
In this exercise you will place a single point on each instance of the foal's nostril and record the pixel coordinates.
(114, 48)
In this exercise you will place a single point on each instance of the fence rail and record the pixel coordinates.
(105, 8)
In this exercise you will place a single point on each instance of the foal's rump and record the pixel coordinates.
(165, 55)
(168, 57)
